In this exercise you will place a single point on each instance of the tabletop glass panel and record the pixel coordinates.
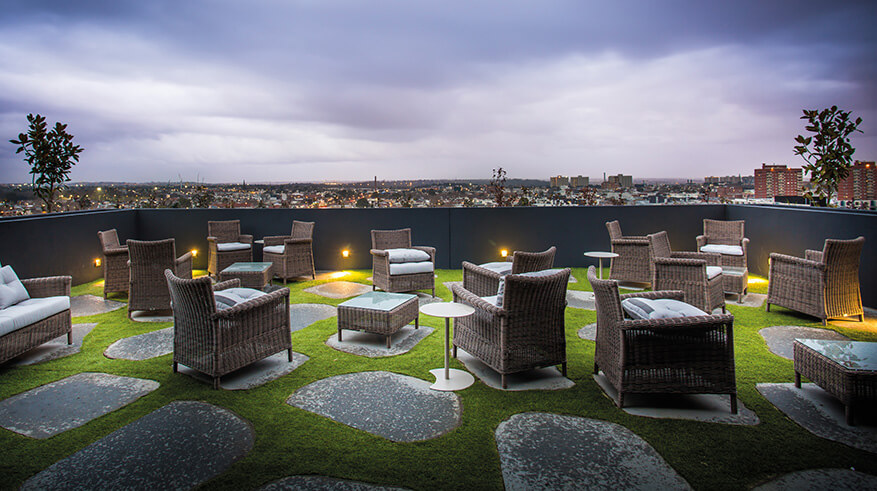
(503, 267)
(854, 355)
(246, 267)
(383, 301)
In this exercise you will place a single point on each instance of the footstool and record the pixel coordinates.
(379, 313)
(251, 275)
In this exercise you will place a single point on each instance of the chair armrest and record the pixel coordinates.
(222, 285)
(630, 241)
(698, 321)
(183, 266)
(379, 252)
(784, 258)
(244, 308)
(702, 240)
(480, 281)
(212, 239)
(812, 255)
(678, 261)
(475, 301)
(245, 238)
(711, 258)
(427, 249)
(306, 240)
(50, 286)
(744, 243)
(671, 294)
(116, 251)
(274, 240)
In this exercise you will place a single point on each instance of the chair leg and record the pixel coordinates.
(767, 307)
(596, 369)
(861, 317)
(433, 293)
(216, 383)
(620, 400)
(733, 403)
(175, 367)
(824, 322)
(563, 369)
(797, 380)
(417, 322)
(70, 337)
(388, 341)
(339, 334)
(504, 384)
(454, 351)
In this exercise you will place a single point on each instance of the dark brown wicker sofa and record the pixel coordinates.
(37, 320)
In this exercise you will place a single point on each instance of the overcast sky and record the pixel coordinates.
(283, 90)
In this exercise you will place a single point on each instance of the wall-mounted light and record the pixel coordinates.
(345, 253)
(194, 252)
(504, 252)
(97, 262)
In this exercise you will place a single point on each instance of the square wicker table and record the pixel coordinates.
(252, 275)
(379, 313)
(845, 369)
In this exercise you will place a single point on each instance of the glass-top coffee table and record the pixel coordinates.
(381, 313)
(845, 369)
(251, 275)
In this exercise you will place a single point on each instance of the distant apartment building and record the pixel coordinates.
(860, 184)
(558, 181)
(778, 180)
(579, 181)
(618, 181)
(723, 180)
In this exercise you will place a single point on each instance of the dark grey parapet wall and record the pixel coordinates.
(67, 243)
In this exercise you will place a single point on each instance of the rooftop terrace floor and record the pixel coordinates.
(290, 441)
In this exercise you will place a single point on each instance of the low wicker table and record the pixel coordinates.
(379, 313)
(252, 275)
(845, 369)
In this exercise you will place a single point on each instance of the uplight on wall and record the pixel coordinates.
(504, 252)
(97, 262)
(194, 252)
(345, 253)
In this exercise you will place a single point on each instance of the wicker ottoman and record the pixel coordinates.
(735, 280)
(379, 313)
(252, 275)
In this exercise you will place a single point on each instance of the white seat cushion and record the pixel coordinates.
(29, 311)
(230, 297)
(664, 308)
(712, 272)
(232, 246)
(491, 300)
(12, 291)
(407, 255)
(728, 250)
(411, 268)
(502, 268)
(276, 249)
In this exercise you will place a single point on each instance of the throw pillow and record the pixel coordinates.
(404, 255)
(228, 298)
(12, 291)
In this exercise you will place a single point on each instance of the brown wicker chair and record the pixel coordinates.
(824, 284)
(381, 277)
(226, 232)
(485, 282)
(686, 271)
(526, 332)
(114, 262)
(682, 355)
(219, 342)
(292, 255)
(148, 286)
(725, 232)
(632, 263)
(28, 337)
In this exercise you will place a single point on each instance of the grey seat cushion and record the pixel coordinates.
(664, 308)
(30, 311)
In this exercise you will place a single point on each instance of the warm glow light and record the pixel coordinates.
(98, 188)
(504, 252)
(757, 281)
(338, 274)
(97, 262)
(194, 252)
(345, 253)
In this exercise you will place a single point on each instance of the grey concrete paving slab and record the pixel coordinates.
(779, 339)
(425, 298)
(321, 483)
(548, 378)
(301, 315)
(834, 479)
(393, 406)
(81, 305)
(255, 374)
(70, 403)
(152, 316)
(551, 451)
(822, 414)
(54, 349)
(748, 300)
(339, 289)
(375, 345)
(177, 446)
(143, 346)
(710, 408)
(588, 332)
(580, 300)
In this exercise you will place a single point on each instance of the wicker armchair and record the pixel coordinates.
(381, 277)
(148, 286)
(726, 233)
(219, 342)
(824, 284)
(30, 336)
(485, 282)
(632, 263)
(237, 248)
(114, 262)
(681, 355)
(292, 255)
(526, 332)
(690, 272)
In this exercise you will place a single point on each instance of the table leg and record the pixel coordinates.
(601, 267)
(447, 336)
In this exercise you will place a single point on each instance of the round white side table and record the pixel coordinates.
(448, 379)
(600, 255)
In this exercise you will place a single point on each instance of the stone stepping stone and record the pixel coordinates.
(301, 315)
(255, 374)
(70, 403)
(82, 305)
(54, 349)
(414, 413)
(448, 284)
(375, 345)
(588, 332)
(143, 346)
(426, 298)
(822, 414)
(580, 300)
(548, 378)
(749, 300)
(711, 408)
(551, 451)
(321, 483)
(339, 289)
(152, 316)
(780, 338)
(837, 479)
(178, 446)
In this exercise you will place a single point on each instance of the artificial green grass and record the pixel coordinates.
(292, 441)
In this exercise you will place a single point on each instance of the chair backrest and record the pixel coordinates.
(302, 230)
(841, 257)
(225, 230)
(606, 298)
(526, 262)
(391, 239)
(614, 229)
(193, 305)
(724, 232)
(149, 259)
(534, 296)
(109, 239)
(659, 245)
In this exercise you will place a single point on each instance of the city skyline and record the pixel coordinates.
(316, 92)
